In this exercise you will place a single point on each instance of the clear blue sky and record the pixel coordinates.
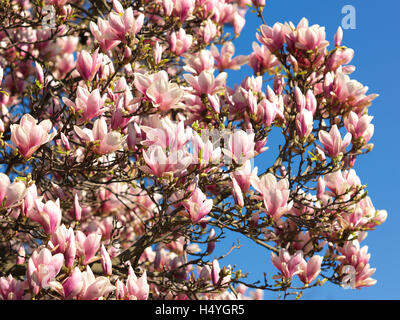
(377, 58)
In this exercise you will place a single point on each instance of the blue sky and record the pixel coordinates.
(377, 51)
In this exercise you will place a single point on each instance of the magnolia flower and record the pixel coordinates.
(240, 146)
(304, 123)
(103, 34)
(310, 38)
(288, 265)
(124, 24)
(28, 136)
(196, 64)
(261, 59)
(224, 59)
(274, 194)
(272, 37)
(73, 285)
(42, 269)
(88, 105)
(87, 246)
(93, 288)
(87, 64)
(205, 83)
(48, 214)
(204, 152)
(134, 289)
(106, 261)
(157, 88)
(217, 277)
(158, 161)
(338, 37)
(163, 94)
(359, 127)
(180, 42)
(333, 142)
(63, 241)
(197, 205)
(11, 193)
(107, 141)
(11, 289)
(354, 261)
(310, 270)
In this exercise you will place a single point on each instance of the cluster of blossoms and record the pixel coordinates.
(131, 156)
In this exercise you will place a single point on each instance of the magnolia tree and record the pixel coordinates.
(127, 158)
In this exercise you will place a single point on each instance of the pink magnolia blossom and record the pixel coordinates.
(359, 127)
(211, 242)
(310, 37)
(311, 101)
(11, 193)
(224, 59)
(183, 9)
(103, 34)
(39, 73)
(158, 89)
(42, 269)
(261, 59)
(164, 94)
(87, 64)
(206, 83)
(87, 246)
(88, 105)
(124, 24)
(216, 276)
(304, 123)
(106, 261)
(244, 175)
(238, 22)
(240, 146)
(107, 141)
(63, 241)
(275, 195)
(339, 58)
(11, 288)
(267, 111)
(357, 258)
(73, 285)
(197, 205)
(48, 214)
(180, 42)
(340, 181)
(207, 31)
(134, 289)
(204, 152)
(158, 161)
(288, 265)
(310, 270)
(168, 6)
(333, 142)
(77, 208)
(338, 37)
(272, 37)
(28, 136)
(94, 288)
(300, 99)
(346, 90)
(157, 52)
(195, 64)
(237, 192)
